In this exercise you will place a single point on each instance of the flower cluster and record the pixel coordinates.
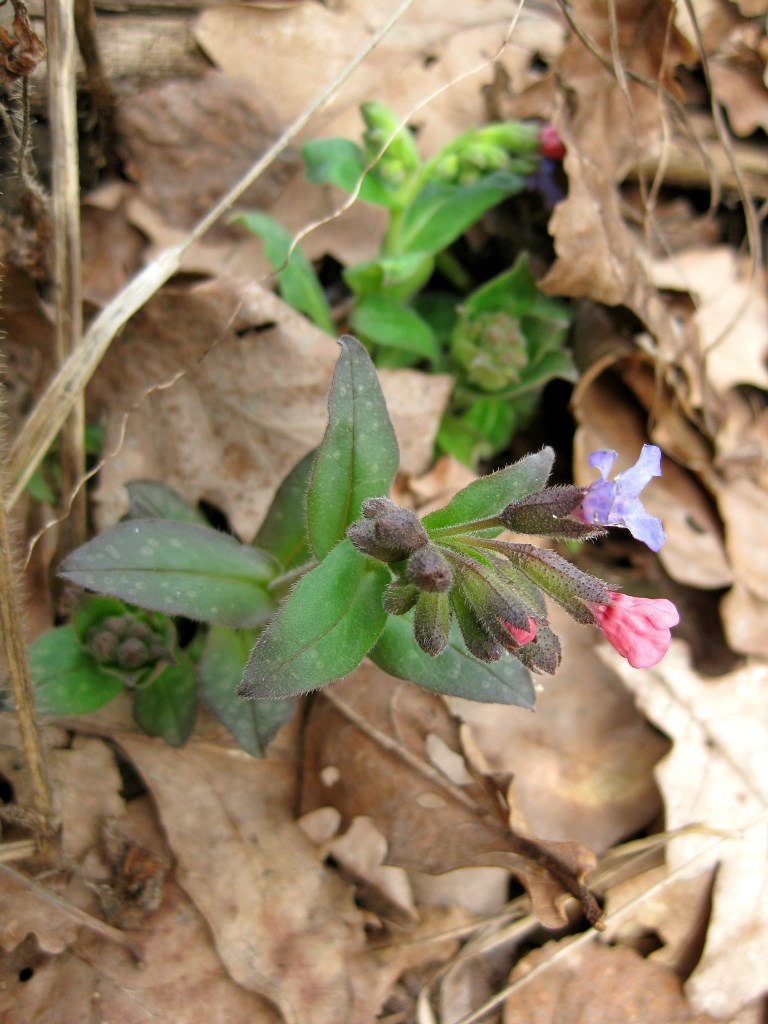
(496, 590)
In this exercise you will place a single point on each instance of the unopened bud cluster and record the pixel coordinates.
(502, 146)
(125, 642)
(493, 589)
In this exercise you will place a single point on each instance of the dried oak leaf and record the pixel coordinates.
(21, 49)
(716, 774)
(374, 760)
(189, 141)
(284, 925)
(599, 984)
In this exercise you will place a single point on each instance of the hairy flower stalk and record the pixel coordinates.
(496, 590)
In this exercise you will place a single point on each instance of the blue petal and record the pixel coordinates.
(641, 525)
(633, 480)
(603, 462)
(598, 503)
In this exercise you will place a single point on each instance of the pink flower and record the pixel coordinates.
(521, 636)
(638, 627)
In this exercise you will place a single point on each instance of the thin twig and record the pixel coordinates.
(86, 920)
(49, 414)
(62, 104)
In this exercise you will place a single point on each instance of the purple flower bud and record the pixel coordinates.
(616, 503)
(429, 570)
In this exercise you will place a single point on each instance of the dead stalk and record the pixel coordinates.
(19, 674)
(60, 35)
(49, 415)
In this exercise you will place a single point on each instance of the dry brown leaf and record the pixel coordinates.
(252, 404)
(599, 985)
(383, 770)
(283, 924)
(593, 782)
(716, 774)
(731, 312)
(430, 46)
(89, 783)
(676, 916)
(189, 141)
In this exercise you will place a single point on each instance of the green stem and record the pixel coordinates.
(451, 268)
(292, 575)
(492, 523)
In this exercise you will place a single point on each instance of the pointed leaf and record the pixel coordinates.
(179, 569)
(167, 706)
(358, 456)
(342, 162)
(68, 681)
(384, 322)
(283, 534)
(253, 723)
(455, 672)
(490, 494)
(323, 630)
(296, 278)
(442, 212)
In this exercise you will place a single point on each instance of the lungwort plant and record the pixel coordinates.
(502, 341)
(338, 572)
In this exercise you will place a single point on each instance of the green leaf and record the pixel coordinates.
(284, 531)
(150, 499)
(396, 277)
(487, 496)
(91, 611)
(442, 212)
(461, 440)
(68, 681)
(342, 163)
(514, 292)
(323, 630)
(358, 456)
(455, 672)
(495, 420)
(167, 706)
(253, 723)
(178, 569)
(296, 277)
(384, 322)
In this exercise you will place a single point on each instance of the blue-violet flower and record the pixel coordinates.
(616, 502)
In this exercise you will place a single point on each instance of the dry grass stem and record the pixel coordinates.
(65, 177)
(19, 674)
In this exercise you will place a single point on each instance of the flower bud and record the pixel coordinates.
(545, 514)
(372, 508)
(490, 348)
(570, 587)
(543, 654)
(132, 653)
(429, 570)
(399, 597)
(477, 640)
(362, 533)
(389, 536)
(432, 623)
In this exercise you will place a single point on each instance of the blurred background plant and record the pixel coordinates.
(417, 303)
